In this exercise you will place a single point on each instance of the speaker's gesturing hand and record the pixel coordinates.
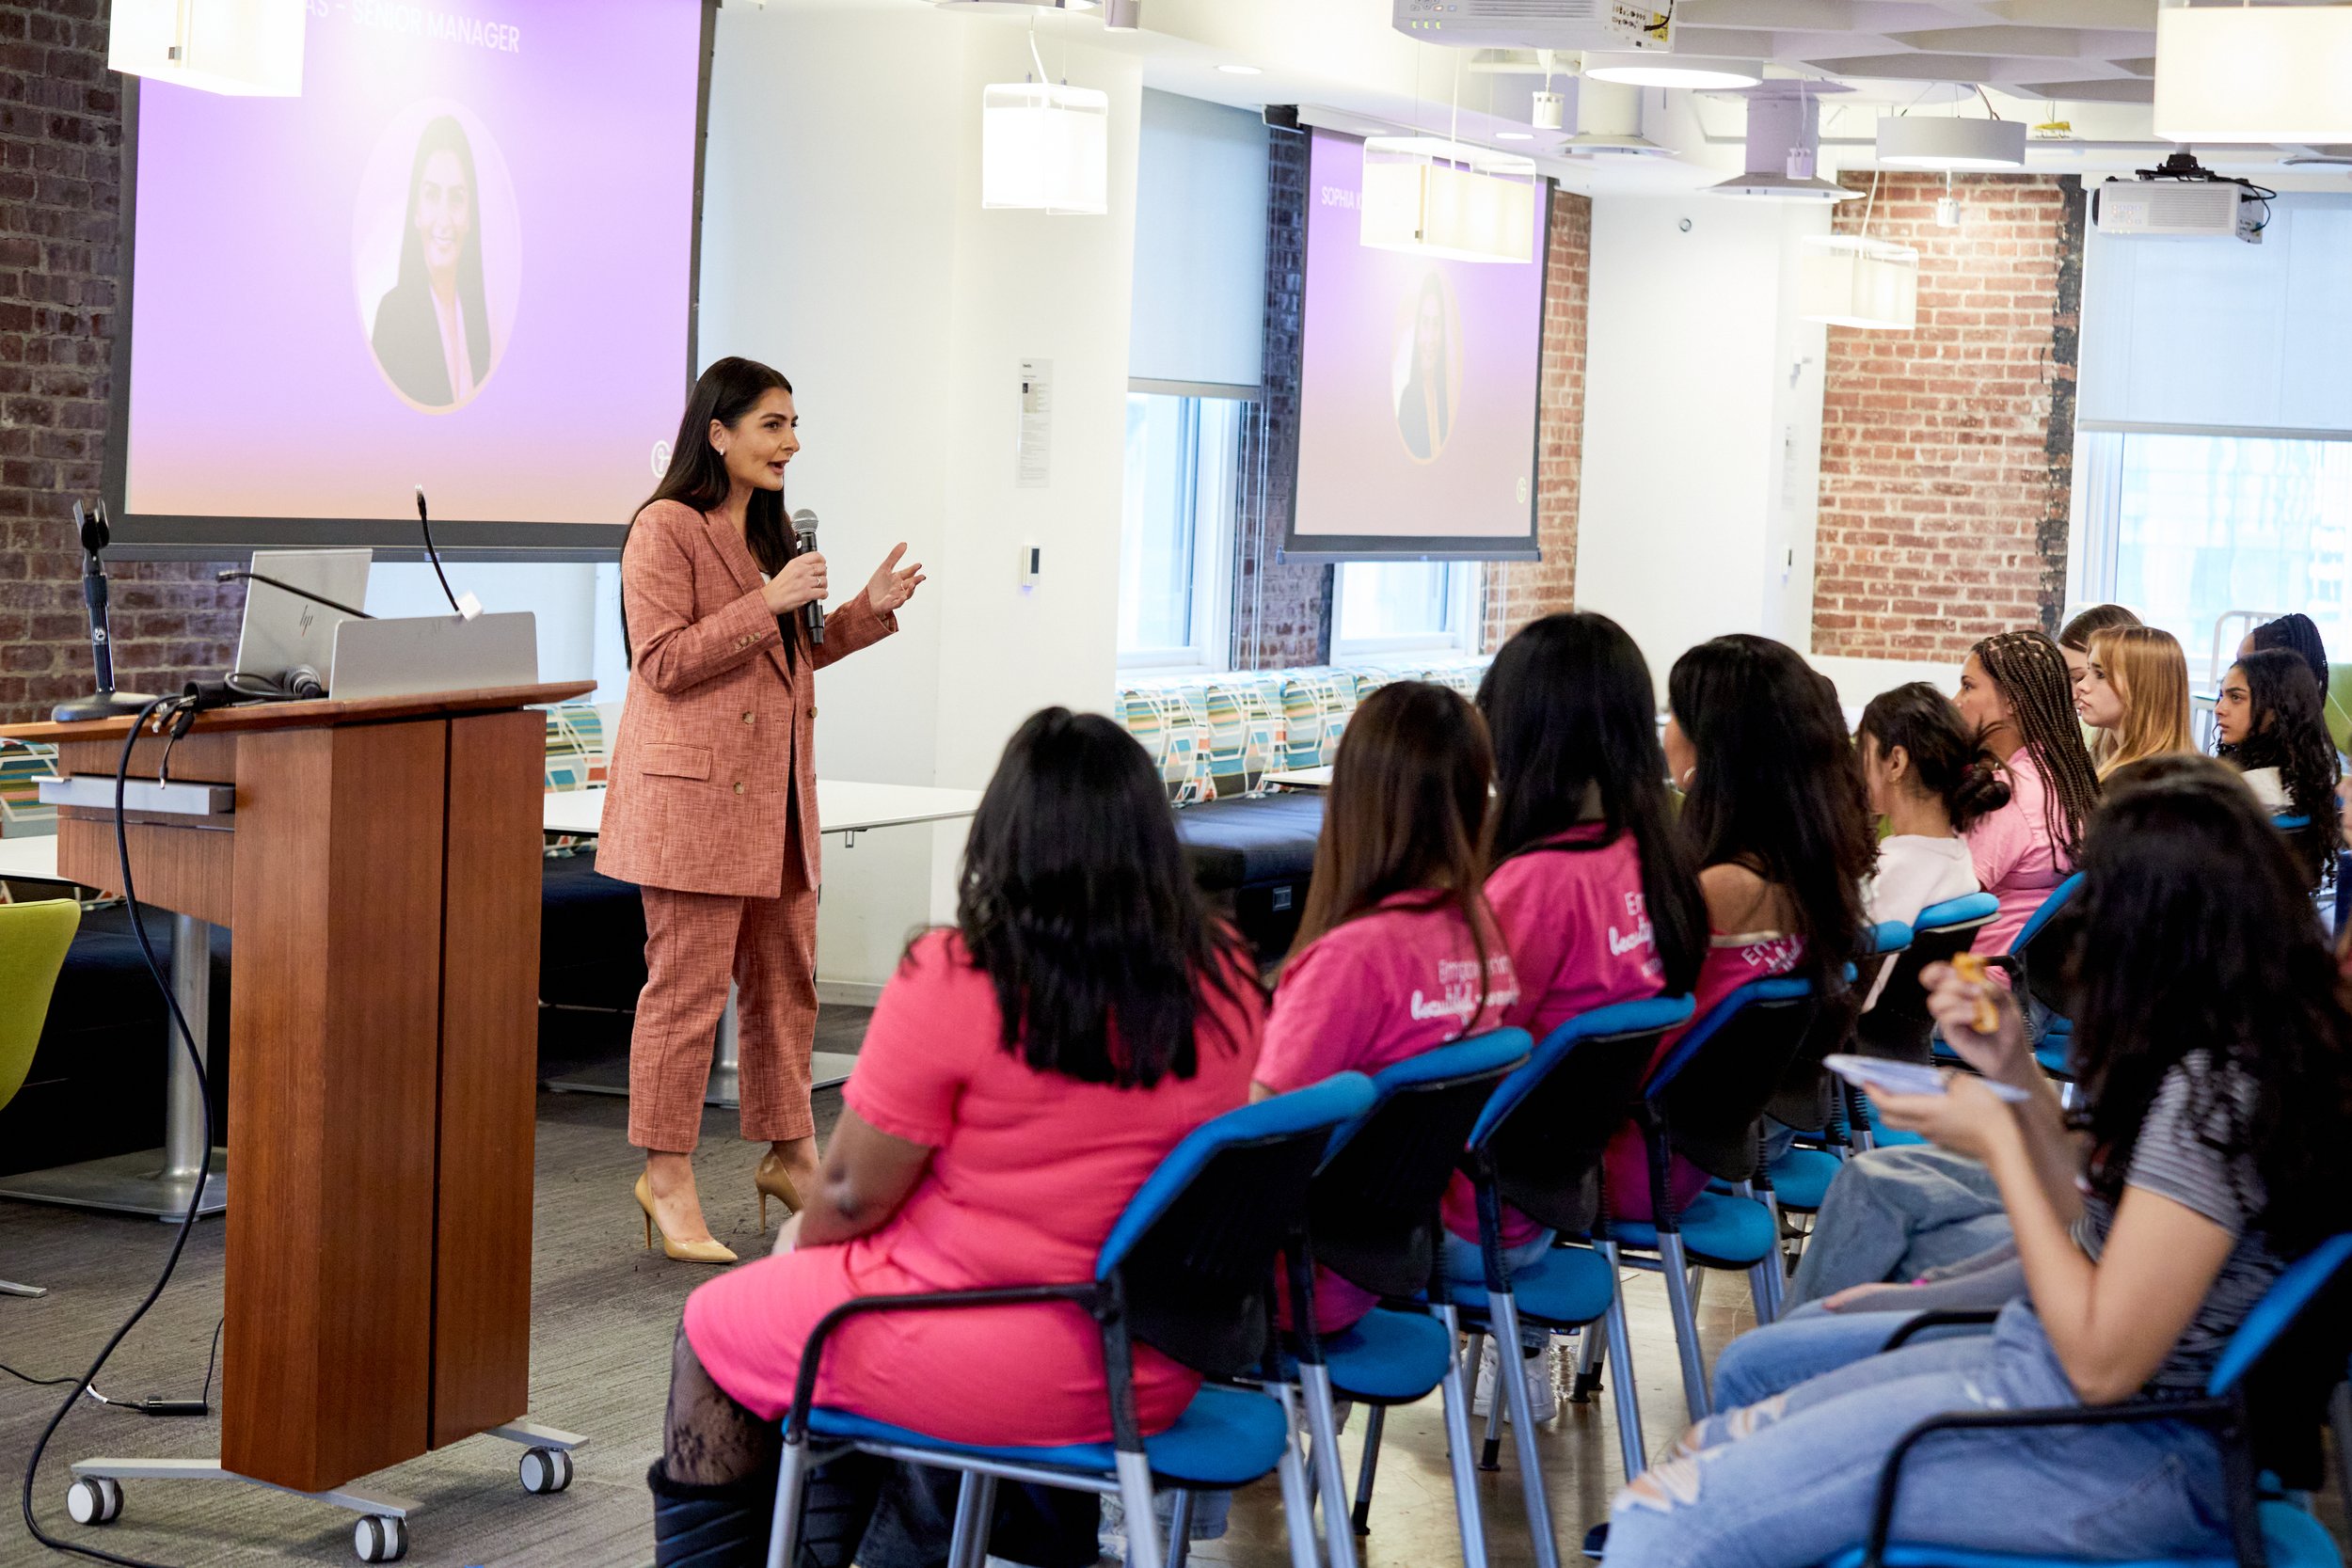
(801, 581)
(892, 585)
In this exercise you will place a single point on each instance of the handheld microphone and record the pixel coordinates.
(803, 541)
(107, 702)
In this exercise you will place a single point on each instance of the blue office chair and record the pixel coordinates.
(2036, 963)
(1190, 1270)
(1796, 1180)
(1537, 1147)
(1372, 1219)
(1704, 1103)
(2246, 1399)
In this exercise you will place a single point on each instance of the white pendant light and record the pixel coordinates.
(1783, 139)
(246, 47)
(1699, 73)
(1044, 147)
(1944, 143)
(1436, 197)
(1848, 281)
(1609, 121)
(2254, 74)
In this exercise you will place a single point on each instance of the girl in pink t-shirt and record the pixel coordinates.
(1775, 810)
(2015, 691)
(1593, 887)
(1023, 1075)
(1396, 951)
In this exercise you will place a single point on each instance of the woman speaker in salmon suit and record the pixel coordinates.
(713, 803)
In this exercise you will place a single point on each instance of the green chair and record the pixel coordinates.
(2339, 704)
(33, 940)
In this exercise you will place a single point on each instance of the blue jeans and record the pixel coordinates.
(1793, 1481)
(1893, 1213)
(1465, 1264)
(1811, 1340)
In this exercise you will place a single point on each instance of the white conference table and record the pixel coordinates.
(1301, 778)
(845, 807)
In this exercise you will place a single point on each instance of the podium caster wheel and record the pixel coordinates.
(380, 1538)
(94, 1500)
(545, 1470)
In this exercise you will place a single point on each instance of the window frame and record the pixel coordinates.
(1209, 651)
(1466, 597)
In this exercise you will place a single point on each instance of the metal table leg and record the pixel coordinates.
(156, 1182)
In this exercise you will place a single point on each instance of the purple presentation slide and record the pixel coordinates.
(1417, 414)
(459, 260)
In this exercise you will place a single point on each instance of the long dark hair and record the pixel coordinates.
(2031, 676)
(1778, 789)
(2298, 635)
(444, 135)
(2172, 958)
(697, 475)
(1076, 902)
(2285, 730)
(1945, 758)
(1407, 813)
(1569, 702)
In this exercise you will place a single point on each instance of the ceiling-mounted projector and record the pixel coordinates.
(2180, 199)
(1611, 25)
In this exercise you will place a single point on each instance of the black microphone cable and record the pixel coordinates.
(425, 523)
(196, 1198)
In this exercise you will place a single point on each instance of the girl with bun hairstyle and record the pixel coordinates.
(1930, 782)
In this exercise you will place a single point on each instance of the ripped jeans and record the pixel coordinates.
(1792, 1482)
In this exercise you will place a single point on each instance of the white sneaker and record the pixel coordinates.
(1542, 1370)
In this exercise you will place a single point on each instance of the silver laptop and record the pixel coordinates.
(416, 653)
(284, 631)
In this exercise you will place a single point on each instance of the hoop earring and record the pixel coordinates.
(1682, 780)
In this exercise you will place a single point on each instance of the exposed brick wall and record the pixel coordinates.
(1948, 451)
(1518, 591)
(1281, 610)
(60, 286)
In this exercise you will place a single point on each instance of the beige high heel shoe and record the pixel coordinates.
(773, 1182)
(683, 1252)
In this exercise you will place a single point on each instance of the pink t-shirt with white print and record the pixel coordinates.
(1387, 985)
(1581, 938)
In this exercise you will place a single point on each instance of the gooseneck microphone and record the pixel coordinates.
(803, 541)
(106, 701)
(425, 521)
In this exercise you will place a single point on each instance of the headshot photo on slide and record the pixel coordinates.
(1425, 374)
(436, 254)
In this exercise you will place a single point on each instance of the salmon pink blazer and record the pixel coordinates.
(717, 749)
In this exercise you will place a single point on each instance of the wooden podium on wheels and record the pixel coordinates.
(379, 862)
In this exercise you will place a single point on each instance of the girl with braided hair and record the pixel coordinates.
(2014, 689)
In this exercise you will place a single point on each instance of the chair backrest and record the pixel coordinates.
(2287, 1355)
(2044, 942)
(1897, 1024)
(1195, 1250)
(1372, 1214)
(33, 942)
(1547, 1124)
(1714, 1086)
